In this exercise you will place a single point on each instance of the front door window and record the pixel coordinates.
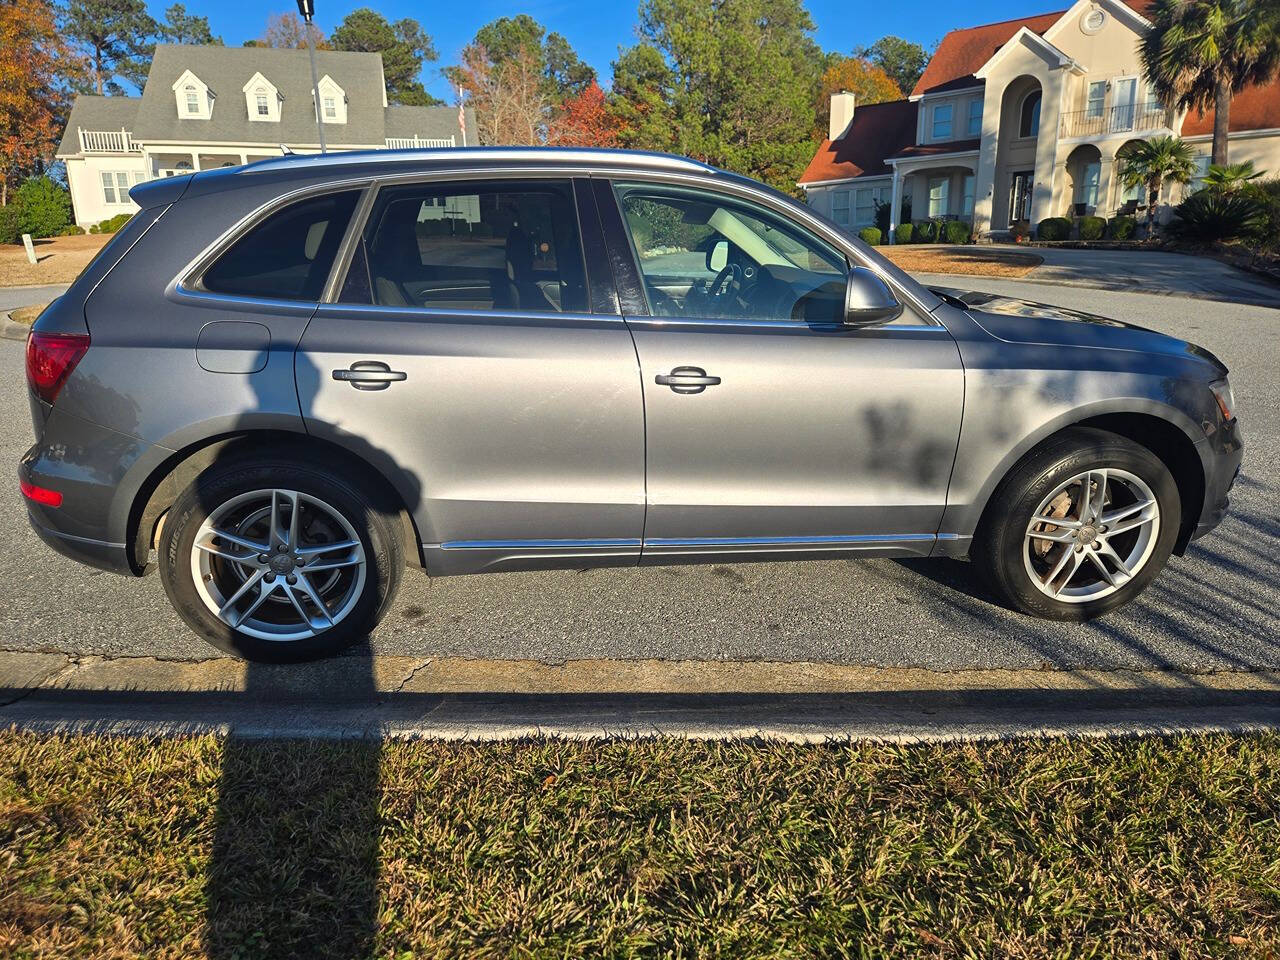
(704, 255)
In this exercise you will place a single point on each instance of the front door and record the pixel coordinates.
(770, 426)
(1020, 191)
(465, 363)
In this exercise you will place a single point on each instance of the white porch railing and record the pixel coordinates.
(416, 143)
(107, 141)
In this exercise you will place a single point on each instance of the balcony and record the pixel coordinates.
(416, 143)
(107, 141)
(1127, 118)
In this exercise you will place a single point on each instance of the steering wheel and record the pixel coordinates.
(725, 284)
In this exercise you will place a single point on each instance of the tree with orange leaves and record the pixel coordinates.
(865, 80)
(585, 120)
(35, 67)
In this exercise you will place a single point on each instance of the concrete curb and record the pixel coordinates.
(10, 330)
(456, 699)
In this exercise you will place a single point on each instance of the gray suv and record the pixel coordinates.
(281, 382)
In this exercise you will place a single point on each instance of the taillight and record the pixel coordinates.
(50, 498)
(50, 359)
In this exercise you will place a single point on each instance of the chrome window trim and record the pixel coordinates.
(797, 325)
(466, 314)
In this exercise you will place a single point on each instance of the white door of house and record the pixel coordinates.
(1123, 102)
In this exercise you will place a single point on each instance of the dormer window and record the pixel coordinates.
(193, 96)
(262, 99)
(333, 101)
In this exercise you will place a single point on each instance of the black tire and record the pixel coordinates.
(999, 545)
(378, 533)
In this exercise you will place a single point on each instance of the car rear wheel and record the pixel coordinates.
(279, 561)
(1080, 527)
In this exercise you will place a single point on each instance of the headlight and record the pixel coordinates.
(1226, 399)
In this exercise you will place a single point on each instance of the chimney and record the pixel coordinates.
(842, 104)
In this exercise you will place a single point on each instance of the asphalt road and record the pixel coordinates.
(11, 297)
(1216, 608)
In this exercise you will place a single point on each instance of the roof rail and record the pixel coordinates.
(451, 155)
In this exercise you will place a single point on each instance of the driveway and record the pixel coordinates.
(13, 297)
(1214, 609)
(1149, 271)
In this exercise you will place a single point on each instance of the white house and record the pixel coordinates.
(1015, 122)
(210, 106)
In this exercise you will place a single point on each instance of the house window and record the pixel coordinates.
(975, 118)
(1197, 178)
(1097, 95)
(840, 207)
(264, 106)
(939, 195)
(1087, 191)
(115, 187)
(193, 99)
(966, 208)
(864, 206)
(942, 121)
(1029, 121)
(330, 108)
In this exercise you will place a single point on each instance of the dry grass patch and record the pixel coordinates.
(207, 847)
(27, 315)
(973, 260)
(58, 260)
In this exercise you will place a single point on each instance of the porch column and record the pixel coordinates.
(195, 160)
(1106, 176)
(244, 157)
(895, 205)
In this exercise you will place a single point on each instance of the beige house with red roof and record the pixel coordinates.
(1018, 121)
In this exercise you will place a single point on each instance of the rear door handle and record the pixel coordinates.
(370, 375)
(687, 380)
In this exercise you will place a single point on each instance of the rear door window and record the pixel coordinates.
(499, 245)
(288, 255)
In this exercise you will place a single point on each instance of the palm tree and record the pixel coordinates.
(1231, 177)
(1199, 53)
(1150, 163)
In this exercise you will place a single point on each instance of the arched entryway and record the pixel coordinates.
(1016, 154)
(1084, 178)
(1129, 201)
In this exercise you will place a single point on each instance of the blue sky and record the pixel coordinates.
(596, 29)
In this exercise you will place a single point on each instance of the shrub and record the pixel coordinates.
(1054, 228)
(1268, 194)
(926, 231)
(1019, 230)
(10, 223)
(111, 225)
(1091, 228)
(46, 207)
(71, 231)
(870, 235)
(1122, 228)
(1211, 215)
(904, 233)
(958, 231)
(882, 217)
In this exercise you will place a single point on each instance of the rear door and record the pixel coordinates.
(467, 359)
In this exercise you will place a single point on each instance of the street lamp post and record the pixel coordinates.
(308, 9)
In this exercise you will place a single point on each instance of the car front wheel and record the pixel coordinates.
(279, 561)
(1080, 527)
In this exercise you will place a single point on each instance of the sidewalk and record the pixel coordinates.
(456, 699)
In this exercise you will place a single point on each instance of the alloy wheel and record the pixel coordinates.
(278, 564)
(1091, 535)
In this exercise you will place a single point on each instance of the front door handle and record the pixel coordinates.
(370, 375)
(687, 380)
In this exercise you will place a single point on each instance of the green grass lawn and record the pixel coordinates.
(208, 847)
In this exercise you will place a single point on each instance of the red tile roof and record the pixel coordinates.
(963, 52)
(1253, 108)
(878, 130)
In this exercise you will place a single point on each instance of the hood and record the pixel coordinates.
(1024, 321)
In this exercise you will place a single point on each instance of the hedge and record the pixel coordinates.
(1091, 228)
(926, 231)
(45, 206)
(904, 233)
(870, 235)
(111, 225)
(1122, 228)
(1054, 228)
(10, 223)
(958, 231)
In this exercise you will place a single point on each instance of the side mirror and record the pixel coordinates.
(868, 299)
(718, 256)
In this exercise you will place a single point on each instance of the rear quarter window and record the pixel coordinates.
(288, 255)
